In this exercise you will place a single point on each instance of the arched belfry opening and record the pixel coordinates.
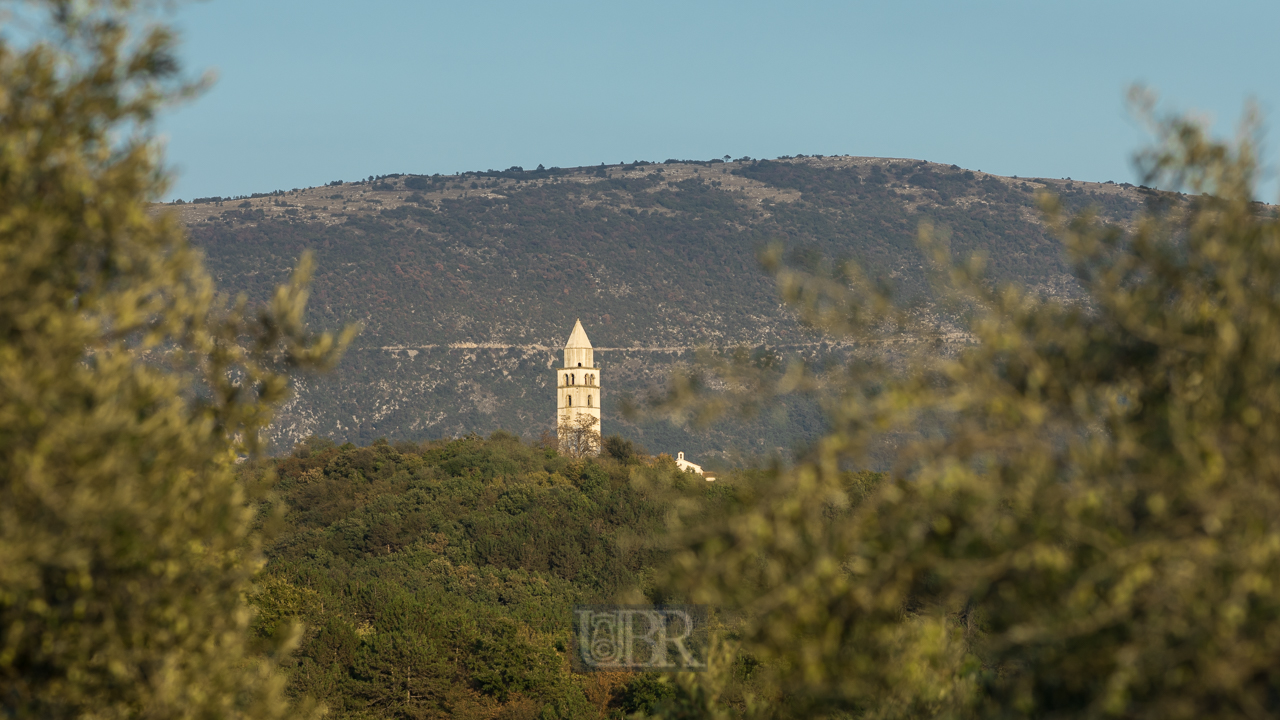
(578, 412)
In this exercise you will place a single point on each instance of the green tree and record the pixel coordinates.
(579, 436)
(127, 391)
(623, 450)
(1085, 516)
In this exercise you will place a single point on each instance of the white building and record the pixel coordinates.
(578, 382)
(687, 466)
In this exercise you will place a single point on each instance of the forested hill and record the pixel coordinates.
(468, 285)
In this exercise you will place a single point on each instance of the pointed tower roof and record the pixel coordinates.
(578, 338)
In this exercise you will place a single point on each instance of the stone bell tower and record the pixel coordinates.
(578, 382)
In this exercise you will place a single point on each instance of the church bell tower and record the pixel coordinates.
(578, 382)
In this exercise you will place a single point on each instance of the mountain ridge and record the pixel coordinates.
(482, 274)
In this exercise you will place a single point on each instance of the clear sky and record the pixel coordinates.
(309, 92)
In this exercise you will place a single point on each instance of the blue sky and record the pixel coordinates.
(309, 92)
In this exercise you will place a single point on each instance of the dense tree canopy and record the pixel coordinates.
(438, 579)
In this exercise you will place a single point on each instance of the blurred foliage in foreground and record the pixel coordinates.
(1087, 522)
(127, 389)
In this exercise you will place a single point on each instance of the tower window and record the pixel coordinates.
(588, 401)
(568, 400)
(571, 378)
(579, 364)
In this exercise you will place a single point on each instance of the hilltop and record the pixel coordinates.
(468, 284)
